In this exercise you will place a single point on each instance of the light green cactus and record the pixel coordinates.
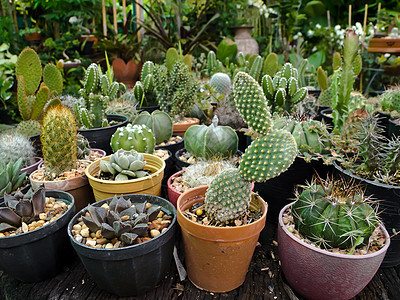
(256, 66)
(390, 100)
(10, 177)
(122, 107)
(322, 79)
(124, 165)
(133, 137)
(221, 82)
(159, 122)
(270, 154)
(270, 65)
(282, 92)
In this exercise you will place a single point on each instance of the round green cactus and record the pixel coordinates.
(133, 137)
(159, 122)
(334, 214)
(221, 83)
(211, 141)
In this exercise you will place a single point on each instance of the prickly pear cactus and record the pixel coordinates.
(270, 65)
(159, 122)
(221, 83)
(133, 137)
(59, 140)
(211, 141)
(334, 214)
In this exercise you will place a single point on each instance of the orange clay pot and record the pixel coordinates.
(181, 126)
(217, 258)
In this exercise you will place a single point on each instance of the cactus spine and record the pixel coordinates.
(221, 82)
(133, 137)
(14, 146)
(59, 140)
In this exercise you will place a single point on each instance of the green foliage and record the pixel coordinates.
(10, 177)
(133, 137)
(159, 122)
(334, 214)
(227, 51)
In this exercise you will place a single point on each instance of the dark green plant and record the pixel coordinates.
(159, 122)
(136, 137)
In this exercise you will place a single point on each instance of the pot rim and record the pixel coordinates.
(172, 177)
(113, 182)
(124, 122)
(220, 229)
(95, 251)
(327, 253)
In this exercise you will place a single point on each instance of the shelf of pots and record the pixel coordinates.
(34, 244)
(118, 240)
(221, 223)
(62, 170)
(331, 241)
(97, 91)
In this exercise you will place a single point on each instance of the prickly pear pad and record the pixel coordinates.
(268, 156)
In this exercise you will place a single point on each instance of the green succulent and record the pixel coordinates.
(159, 122)
(133, 137)
(10, 177)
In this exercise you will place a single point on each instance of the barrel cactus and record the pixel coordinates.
(311, 136)
(334, 214)
(211, 141)
(391, 100)
(14, 146)
(159, 122)
(124, 165)
(271, 153)
(221, 83)
(133, 137)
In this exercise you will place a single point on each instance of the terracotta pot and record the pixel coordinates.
(78, 187)
(385, 45)
(150, 185)
(181, 126)
(33, 167)
(125, 72)
(244, 41)
(319, 274)
(217, 258)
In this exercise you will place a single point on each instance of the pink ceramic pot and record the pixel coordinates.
(318, 274)
(33, 167)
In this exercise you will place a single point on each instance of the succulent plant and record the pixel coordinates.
(221, 83)
(133, 137)
(390, 100)
(211, 141)
(97, 91)
(159, 122)
(83, 149)
(270, 65)
(334, 214)
(282, 91)
(124, 165)
(123, 219)
(59, 140)
(31, 97)
(311, 136)
(10, 176)
(21, 208)
(69, 101)
(271, 153)
(14, 145)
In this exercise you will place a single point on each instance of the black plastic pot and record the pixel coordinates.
(169, 167)
(244, 140)
(149, 109)
(173, 147)
(315, 93)
(39, 254)
(100, 137)
(37, 144)
(131, 270)
(389, 210)
(393, 128)
(279, 191)
(327, 118)
(23, 190)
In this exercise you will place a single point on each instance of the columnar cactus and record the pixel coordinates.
(31, 97)
(14, 146)
(97, 91)
(211, 141)
(124, 165)
(334, 214)
(59, 140)
(282, 91)
(270, 154)
(159, 122)
(133, 137)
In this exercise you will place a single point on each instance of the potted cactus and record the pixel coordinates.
(62, 170)
(390, 101)
(126, 172)
(97, 91)
(331, 242)
(11, 178)
(131, 232)
(33, 240)
(234, 217)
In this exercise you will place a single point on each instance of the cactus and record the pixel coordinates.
(147, 69)
(22, 208)
(334, 214)
(69, 101)
(97, 91)
(171, 57)
(59, 141)
(159, 122)
(270, 65)
(83, 149)
(29, 75)
(124, 165)
(121, 219)
(255, 70)
(325, 98)
(133, 137)
(211, 141)
(270, 154)
(122, 107)
(322, 78)
(309, 135)
(10, 177)
(282, 91)
(390, 100)
(211, 63)
(221, 83)
(14, 146)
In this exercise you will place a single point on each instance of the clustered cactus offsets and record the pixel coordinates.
(272, 152)
(120, 223)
